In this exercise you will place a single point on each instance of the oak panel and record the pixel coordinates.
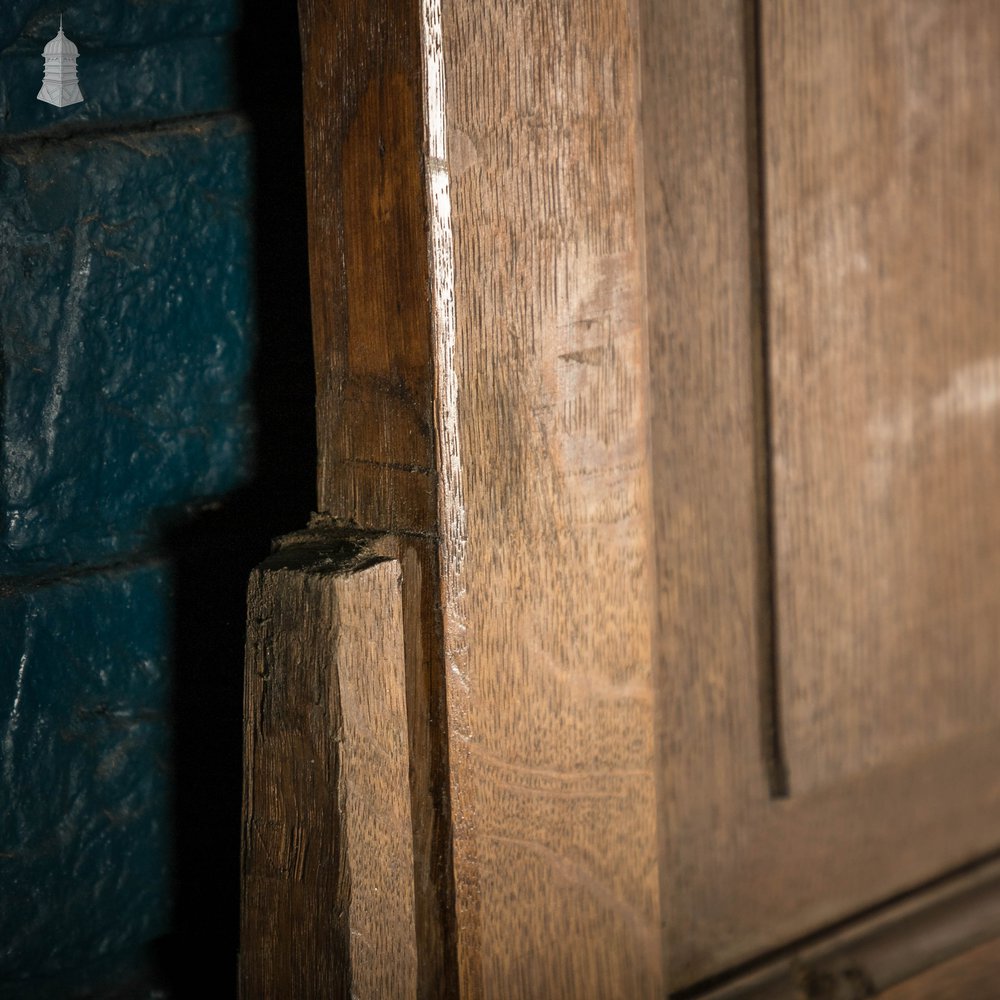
(745, 870)
(882, 147)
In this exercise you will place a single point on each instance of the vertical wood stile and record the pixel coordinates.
(365, 106)
(543, 505)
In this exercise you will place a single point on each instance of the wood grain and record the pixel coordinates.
(697, 121)
(883, 152)
(363, 95)
(512, 128)
(544, 505)
(328, 905)
(745, 873)
(920, 939)
(483, 410)
(366, 95)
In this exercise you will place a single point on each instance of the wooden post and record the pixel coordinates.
(328, 851)
(544, 496)
(481, 359)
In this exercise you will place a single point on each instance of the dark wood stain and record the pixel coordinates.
(368, 262)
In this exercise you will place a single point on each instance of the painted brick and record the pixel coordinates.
(138, 60)
(105, 23)
(126, 331)
(85, 825)
(168, 80)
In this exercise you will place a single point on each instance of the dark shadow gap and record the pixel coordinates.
(772, 744)
(215, 551)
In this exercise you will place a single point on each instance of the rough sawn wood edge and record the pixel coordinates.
(327, 903)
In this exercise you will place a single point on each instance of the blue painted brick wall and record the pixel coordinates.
(126, 346)
(139, 61)
(84, 826)
(126, 306)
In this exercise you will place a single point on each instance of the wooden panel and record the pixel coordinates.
(744, 871)
(328, 907)
(882, 146)
(544, 503)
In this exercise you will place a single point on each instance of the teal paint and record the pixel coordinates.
(139, 61)
(127, 337)
(115, 22)
(122, 85)
(85, 825)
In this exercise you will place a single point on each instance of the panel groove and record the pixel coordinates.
(772, 744)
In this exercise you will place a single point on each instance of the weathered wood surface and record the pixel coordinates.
(328, 904)
(365, 104)
(745, 872)
(478, 297)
